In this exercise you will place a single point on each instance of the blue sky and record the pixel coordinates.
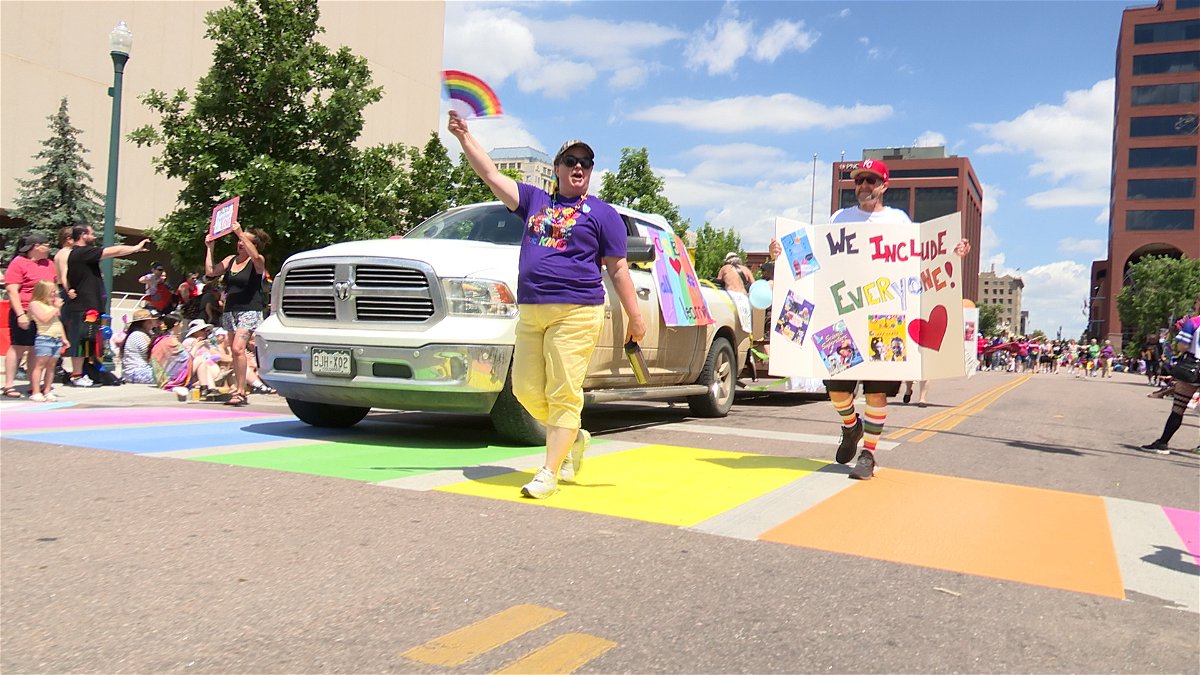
(732, 99)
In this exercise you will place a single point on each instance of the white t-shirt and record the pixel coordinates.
(856, 215)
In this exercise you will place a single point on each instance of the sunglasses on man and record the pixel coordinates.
(570, 161)
(869, 180)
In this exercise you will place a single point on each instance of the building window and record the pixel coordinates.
(1165, 219)
(848, 199)
(925, 173)
(1163, 125)
(1173, 62)
(1166, 94)
(1161, 188)
(1153, 158)
(1187, 4)
(934, 202)
(897, 198)
(1170, 31)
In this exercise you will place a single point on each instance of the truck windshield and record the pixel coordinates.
(486, 222)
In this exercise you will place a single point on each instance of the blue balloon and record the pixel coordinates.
(760, 294)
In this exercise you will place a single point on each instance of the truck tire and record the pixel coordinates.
(327, 414)
(720, 376)
(513, 422)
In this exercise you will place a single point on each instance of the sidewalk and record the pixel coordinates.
(128, 395)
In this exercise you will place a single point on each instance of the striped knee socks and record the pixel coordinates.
(873, 419)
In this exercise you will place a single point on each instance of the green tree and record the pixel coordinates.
(1158, 289)
(637, 186)
(711, 246)
(60, 194)
(274, 122)
(989, 319)
(469, 188)
(430, 181)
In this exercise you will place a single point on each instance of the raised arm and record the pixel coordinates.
(123, 250)
(618, 270)
(260, 263)
(211, 270)
(502, 186)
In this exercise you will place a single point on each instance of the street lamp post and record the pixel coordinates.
(120, 40)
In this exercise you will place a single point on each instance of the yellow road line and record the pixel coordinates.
(457, 647)
(948, 419)
(565, 655)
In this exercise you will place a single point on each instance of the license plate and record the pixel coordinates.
(332, 362)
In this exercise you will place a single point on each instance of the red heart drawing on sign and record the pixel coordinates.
(676, 264)
(929, 333)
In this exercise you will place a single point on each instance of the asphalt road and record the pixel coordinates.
(986, 543)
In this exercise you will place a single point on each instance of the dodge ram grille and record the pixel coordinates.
(351, 291)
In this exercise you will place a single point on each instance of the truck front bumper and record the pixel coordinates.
(433, 377)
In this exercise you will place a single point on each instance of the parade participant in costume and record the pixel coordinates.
(244, 298)
(31, 265)
(1187, 344)
(560, 291)
(45, 306)
(870, 182)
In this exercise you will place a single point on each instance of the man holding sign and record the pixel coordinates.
(870, 184)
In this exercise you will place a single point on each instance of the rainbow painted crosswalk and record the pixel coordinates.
(1083, 543)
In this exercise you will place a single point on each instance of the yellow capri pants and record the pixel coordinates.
(550, 359)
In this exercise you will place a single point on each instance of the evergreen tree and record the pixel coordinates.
(60, 194)
(274, 121)
(637, 186)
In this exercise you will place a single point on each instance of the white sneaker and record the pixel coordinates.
(38, 398)
(52, 398)
(543, 484)
(573, 462)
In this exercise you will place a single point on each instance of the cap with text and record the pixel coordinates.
(875, 166)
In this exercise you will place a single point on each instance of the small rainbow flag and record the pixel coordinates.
(472, 91)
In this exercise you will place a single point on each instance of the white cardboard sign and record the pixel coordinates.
(868, 301)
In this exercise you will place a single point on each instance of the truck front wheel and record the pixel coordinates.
(513, 422)
(720, 376)
(327, 414)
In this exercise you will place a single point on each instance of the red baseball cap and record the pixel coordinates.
(875, 166)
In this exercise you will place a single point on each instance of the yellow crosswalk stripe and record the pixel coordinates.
(565, 655)
(457, 647)
(948, 419)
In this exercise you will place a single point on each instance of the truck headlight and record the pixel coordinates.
(479, 297)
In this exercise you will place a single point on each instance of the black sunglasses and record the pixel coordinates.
(873, 180)
(570, 161)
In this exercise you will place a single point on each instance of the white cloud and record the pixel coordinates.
(929, 139)
(719, 45)
(1102, 217)
(1053, 295)
(781, 37)
(1071, 144)
(991, 198)
(740, 160)
(749, 210)
(1091, 247)
(777, 112)
(498, 43)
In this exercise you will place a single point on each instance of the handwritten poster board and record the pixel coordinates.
(678, 287)
(865, 301)
(223, 216)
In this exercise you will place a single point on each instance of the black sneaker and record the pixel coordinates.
(1158, 447)
(850, 438)
(864, 469)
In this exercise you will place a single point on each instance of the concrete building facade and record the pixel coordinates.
(56, 49)
(535, 166)
(926, 183)
(1004, 291)
(1152, 205)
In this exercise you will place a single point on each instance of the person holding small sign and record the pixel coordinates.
(870, 184)
(569, 235)
(244, 297)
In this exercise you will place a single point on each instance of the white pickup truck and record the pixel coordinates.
(427, 322)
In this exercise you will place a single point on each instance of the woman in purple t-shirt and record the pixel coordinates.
(560, 293)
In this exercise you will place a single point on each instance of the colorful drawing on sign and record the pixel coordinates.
(886, 332)
(794, 318)
(679, 289)
(223, 217)
(799, 253)
(837, 348)
(929, 333)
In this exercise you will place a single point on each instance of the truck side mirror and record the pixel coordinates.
(639, 249)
